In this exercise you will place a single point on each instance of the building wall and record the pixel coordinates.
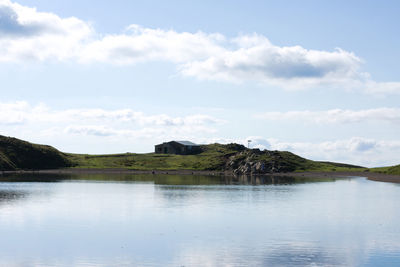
(167, 148)
(176, 148)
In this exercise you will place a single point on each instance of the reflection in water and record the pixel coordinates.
(16, 193)
(33, 177)
(8, 196)
(163, 179)
(189, 220)
(271, 179)
(302, 255)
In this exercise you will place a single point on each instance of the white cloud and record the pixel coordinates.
(150, 133)
(164, 120)
(97, 130)
(141, 44)
(354, 144)
(13, 112)
(29, 35)
(382, 87)
(258, 60)
(355, 150)
(22, 112)
(212, 56)
(259, 142)
(391, 115)
(24, 120)
(82, 130)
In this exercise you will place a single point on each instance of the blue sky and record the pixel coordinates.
(316, 78)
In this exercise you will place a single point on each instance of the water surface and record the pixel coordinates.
(145, 220)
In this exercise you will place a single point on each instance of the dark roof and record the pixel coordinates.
(186, 143)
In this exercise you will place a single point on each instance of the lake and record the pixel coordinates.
(161, 220)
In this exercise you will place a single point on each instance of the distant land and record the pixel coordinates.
(16, 154)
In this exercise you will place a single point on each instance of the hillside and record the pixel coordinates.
(232, 157)
(394, 170)
(17, 154)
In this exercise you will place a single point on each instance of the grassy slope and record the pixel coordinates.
(213, 158)
(17, 154)
(301, 164)
(388, 170)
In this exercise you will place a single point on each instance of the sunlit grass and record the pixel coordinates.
(395, 170)
(16, 154)
(213, 157)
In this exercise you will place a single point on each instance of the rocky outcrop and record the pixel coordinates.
(254, 161)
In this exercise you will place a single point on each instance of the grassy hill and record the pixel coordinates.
(395, 170)
(212, 158)
(231, 157)
(16, 154)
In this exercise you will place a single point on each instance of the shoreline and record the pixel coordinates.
(373, 176)
(379, 177)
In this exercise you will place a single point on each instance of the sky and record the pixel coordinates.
(317, 78)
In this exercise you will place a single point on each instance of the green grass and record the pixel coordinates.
(395, 170)
(213, 157)
(16, 154)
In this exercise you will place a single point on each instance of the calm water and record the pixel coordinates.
(125, 220)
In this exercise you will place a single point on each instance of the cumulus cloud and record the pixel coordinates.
(354, 144)
(150, 133)
(258, 142)
(97, 130)
(68, 129)
(357, 150)
(213, 57)
(22, 112)
(29, 35)
(391, 115)
(10, 25)
(382, 87)
(258, 59)
(22, 117)
(13, 112)
(140, 44)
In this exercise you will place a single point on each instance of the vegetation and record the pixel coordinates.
(17, 154)
(213, 157)
(395, 170)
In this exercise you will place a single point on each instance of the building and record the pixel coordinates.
(178, 147)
